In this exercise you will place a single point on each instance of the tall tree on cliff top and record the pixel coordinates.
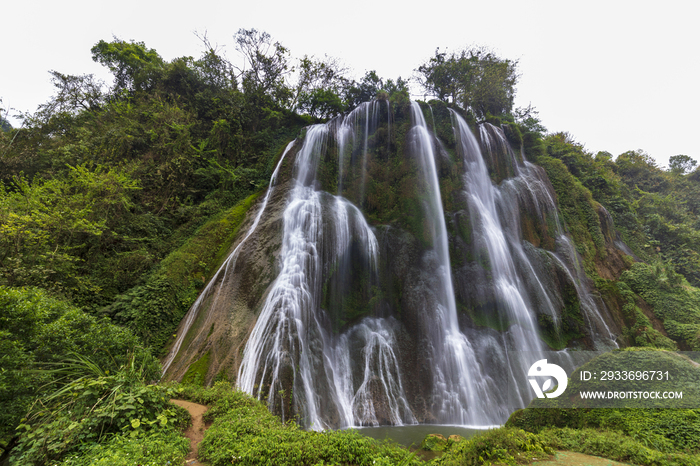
(266, 66)
(474, 78)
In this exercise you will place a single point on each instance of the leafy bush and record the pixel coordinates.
(93, 405)
(37, 331)
(245, 432)
(667, 430)
(616, 446)
(503, 446)
(157, 448)
(154, 310)
(675, 302)
(579, 212)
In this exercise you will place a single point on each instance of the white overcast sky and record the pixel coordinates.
(617, 75)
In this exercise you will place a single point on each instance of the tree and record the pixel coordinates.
(49, 227)
(319, 86)
(637, 168)
(365, 90)
(4, 124)
(74, 94)
(266, 66)
(528, 118)
(681, 164)
(135, 67)
(215, 69)
(474, 78)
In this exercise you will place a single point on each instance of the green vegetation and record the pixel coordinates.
(37, 332)
(655, 211)
(118, 203)
(616, 446)
(245, 432)
(674, 301)
(659, 435)
(197, 371)
(88, 405)
(154, 310)
(644, 437)
(641, 332)
(498, 446)
(157, 448)
(475, 78)
(578, 209)
(91, 406)
(641, 445)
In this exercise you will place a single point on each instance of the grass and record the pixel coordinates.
(244, 432)
(160, 448)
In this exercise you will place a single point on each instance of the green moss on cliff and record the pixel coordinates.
(675, 302)
(197, 371)
(579, 212)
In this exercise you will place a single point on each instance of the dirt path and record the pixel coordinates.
(196, 431)
(569, 458)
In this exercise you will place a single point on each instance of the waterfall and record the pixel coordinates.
(342, 338)
(493, 246)
(530, 181)
(459, 385)
(293, 346)
(599, 329)
(352, 133)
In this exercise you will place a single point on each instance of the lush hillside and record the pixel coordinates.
(119, 203)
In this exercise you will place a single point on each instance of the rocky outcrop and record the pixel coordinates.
(369, 337)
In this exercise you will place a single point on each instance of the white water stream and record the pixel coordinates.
(328, 374)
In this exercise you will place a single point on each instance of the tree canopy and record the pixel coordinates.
(474, 78)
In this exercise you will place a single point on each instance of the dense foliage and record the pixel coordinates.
(117, 202)
(655, 210)
(90, 408)
(245, 432)
(475, 79)
(37, 333)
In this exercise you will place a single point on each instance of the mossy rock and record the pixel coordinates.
(197, 372)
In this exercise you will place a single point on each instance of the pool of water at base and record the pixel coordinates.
(414, 434)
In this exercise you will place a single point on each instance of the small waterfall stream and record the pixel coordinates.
(497, 249)
(229, 265)
(459, 385)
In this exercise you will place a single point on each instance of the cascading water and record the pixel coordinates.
(493, 246)
(292, 344)
(599, 329)
(530, 182)
(367, 326)
(460, 389)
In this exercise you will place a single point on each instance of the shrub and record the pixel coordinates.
(162, 447)
(89, 408)
(505, 445)
(245, 432)
(616, 446)
(37, 331)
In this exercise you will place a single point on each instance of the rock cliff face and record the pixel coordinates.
(401, 268)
